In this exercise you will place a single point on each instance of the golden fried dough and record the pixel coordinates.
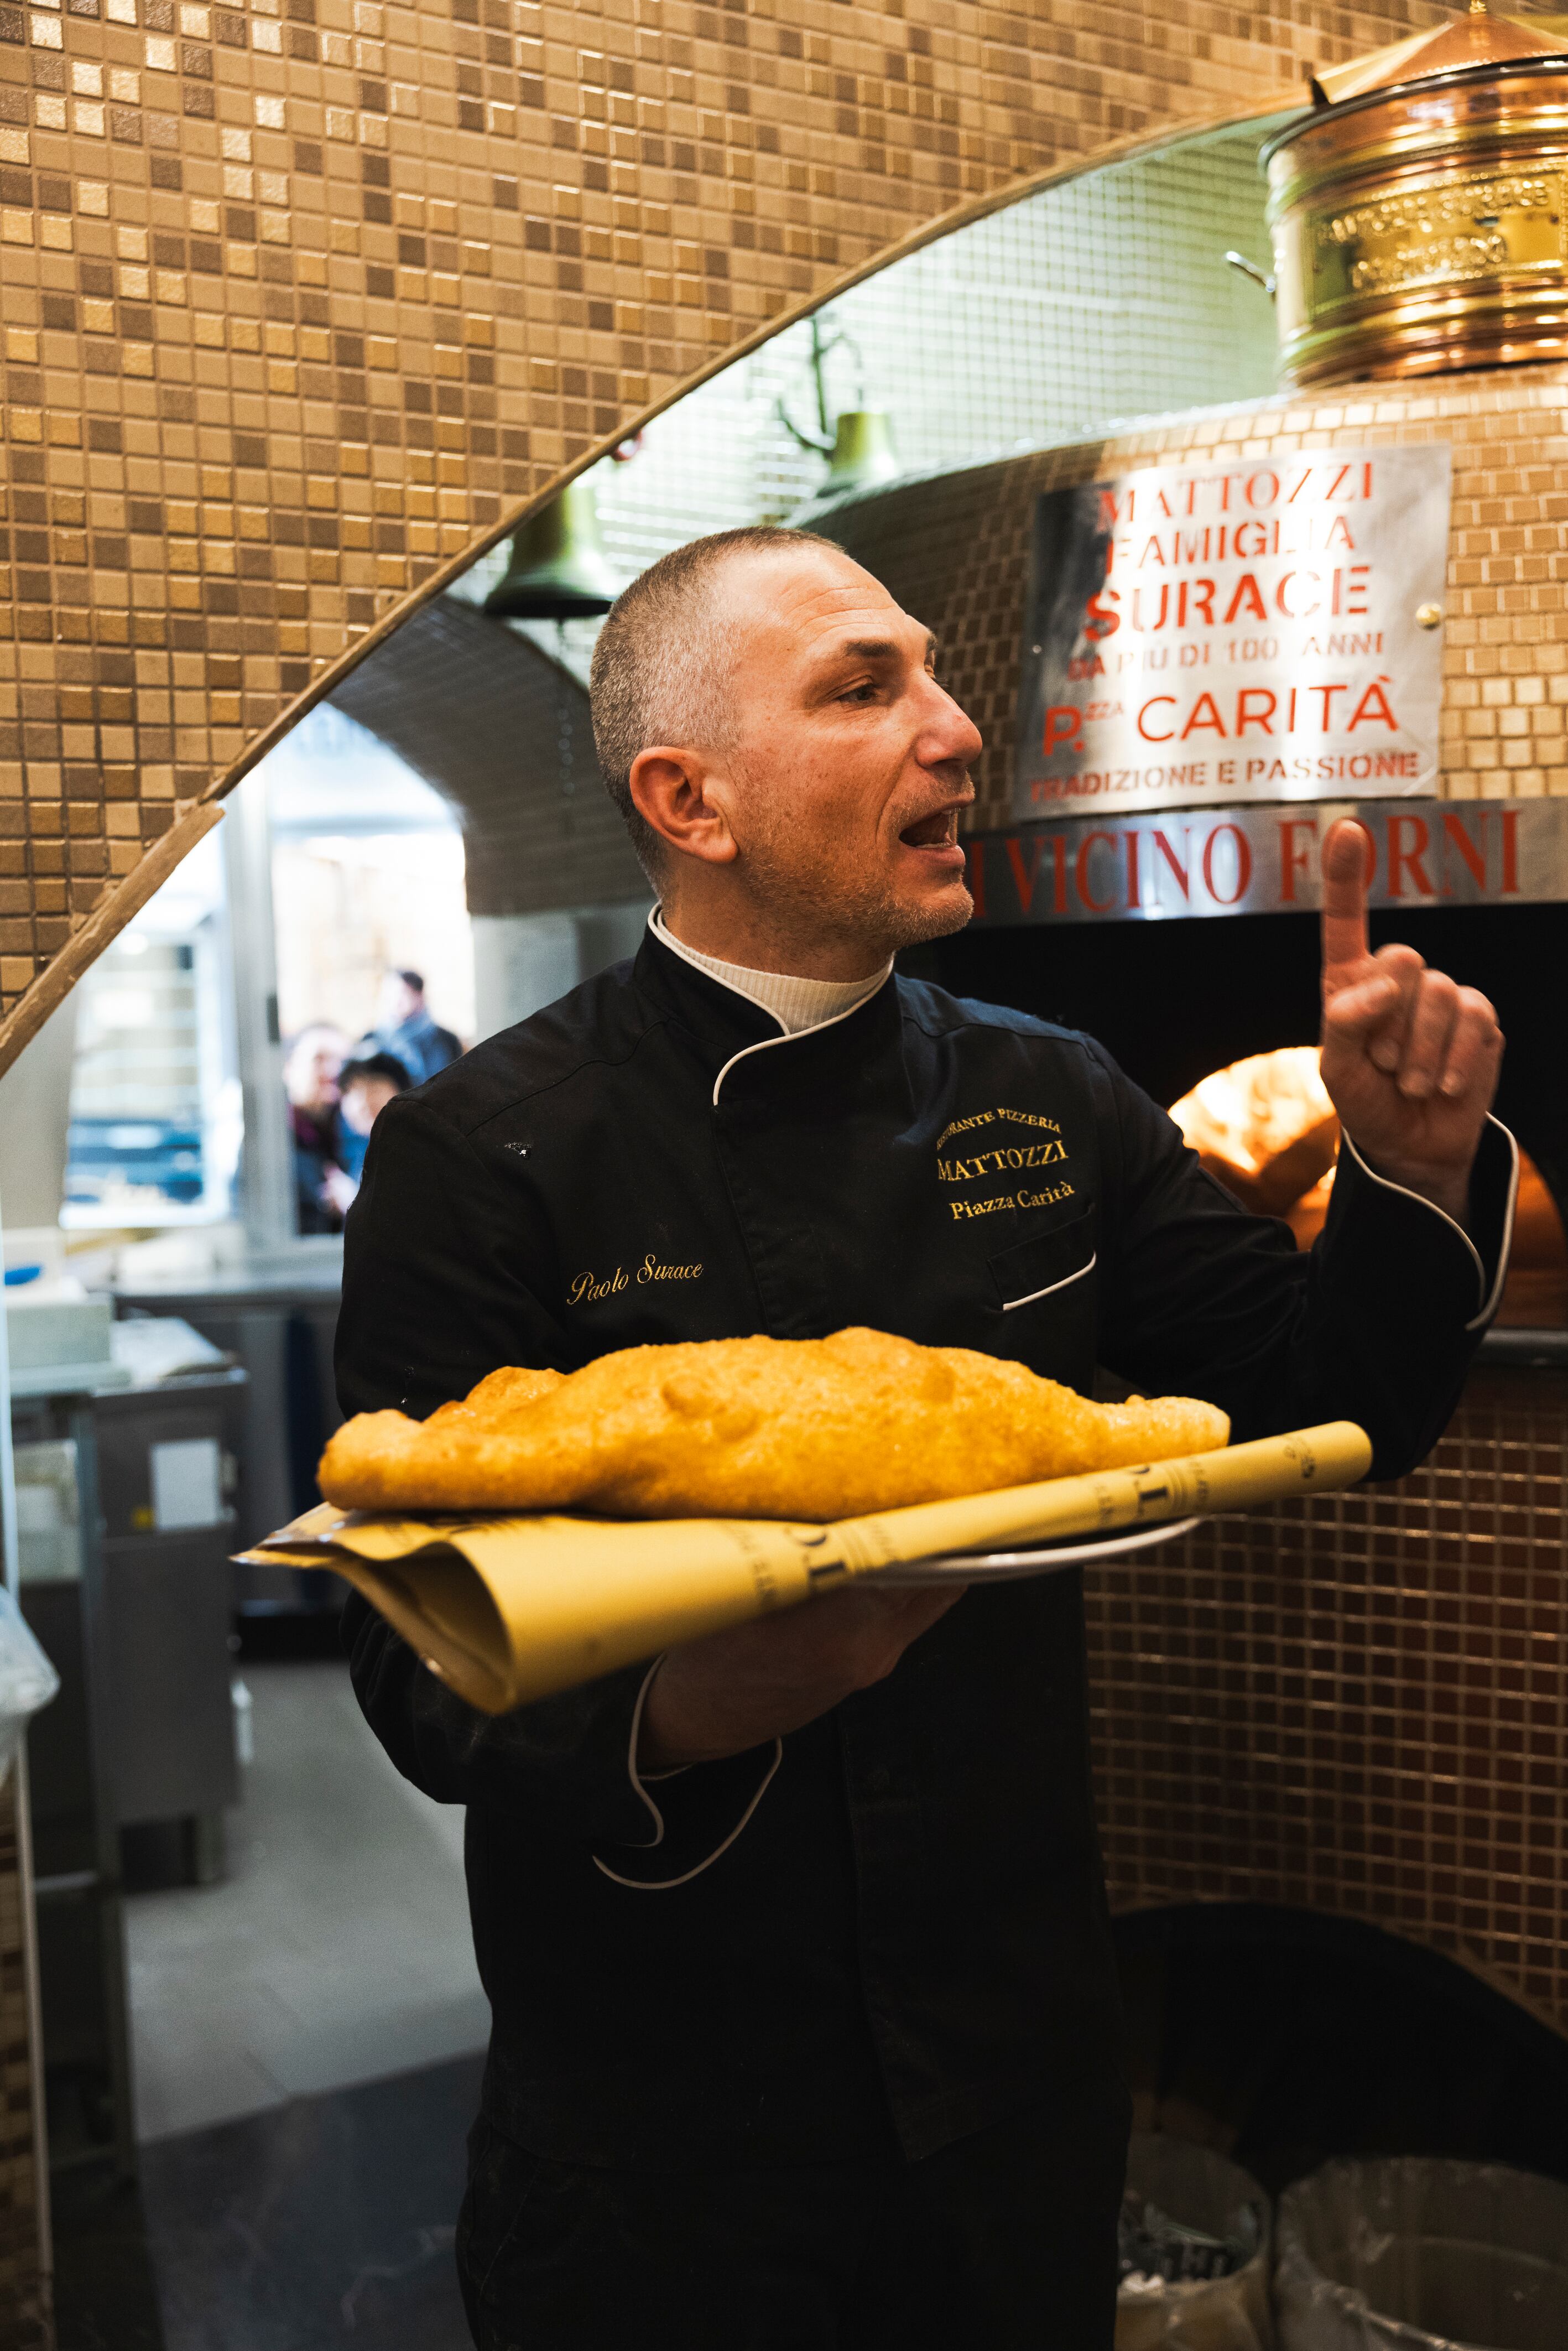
(766, 1429)
(496, 1397)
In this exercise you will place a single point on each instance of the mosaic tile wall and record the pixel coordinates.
(1360, 1704)
(455, 696)
(957, 552)
(1104, 297)
(22, 2318)
(298, 295)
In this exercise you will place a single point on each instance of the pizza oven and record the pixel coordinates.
(1331, 1738)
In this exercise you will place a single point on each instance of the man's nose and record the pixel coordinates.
(949, 736)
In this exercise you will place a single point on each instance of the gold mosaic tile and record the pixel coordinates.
(299, 298)
(22, 2314)
(1357, 1705)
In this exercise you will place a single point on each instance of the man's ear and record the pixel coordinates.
(686, 801)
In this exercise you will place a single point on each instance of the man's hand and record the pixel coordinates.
(339, 1190)
(732, 1690)
(1410, 1060)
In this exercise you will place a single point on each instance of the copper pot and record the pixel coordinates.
(1420, 213)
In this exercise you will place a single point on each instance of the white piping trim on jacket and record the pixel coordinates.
(792, 1036)
(666, 937)
(667, 1885)
(1066, 1279)
(632, 1771)
(1490, 1303)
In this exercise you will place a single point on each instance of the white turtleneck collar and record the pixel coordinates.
(796, 1004)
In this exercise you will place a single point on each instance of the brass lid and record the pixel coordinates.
(1461, 46)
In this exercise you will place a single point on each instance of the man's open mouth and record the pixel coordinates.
(937, 832)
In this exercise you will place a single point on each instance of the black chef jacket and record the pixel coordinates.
(909, 1926)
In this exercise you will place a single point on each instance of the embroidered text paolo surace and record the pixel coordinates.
(590, 1288)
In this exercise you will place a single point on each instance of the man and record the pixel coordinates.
(804, 2010)
(408, 1031)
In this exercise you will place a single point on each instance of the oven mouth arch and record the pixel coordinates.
(1282, 2035)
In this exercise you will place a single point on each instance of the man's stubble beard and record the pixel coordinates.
(817, 897)
(823, 903)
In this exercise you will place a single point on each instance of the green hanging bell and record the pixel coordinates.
(863, 452)
(557, 569)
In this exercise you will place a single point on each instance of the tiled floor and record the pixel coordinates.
(337, 1949)
(324, 2222)
(106, 2298)
(307, 2039)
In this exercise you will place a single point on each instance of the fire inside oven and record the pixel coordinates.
(1266, 1129)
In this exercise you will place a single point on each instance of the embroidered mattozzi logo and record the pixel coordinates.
(984, 1155)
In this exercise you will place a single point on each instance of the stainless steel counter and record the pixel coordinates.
(278, 1322)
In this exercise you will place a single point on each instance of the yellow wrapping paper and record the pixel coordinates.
(507, 1610)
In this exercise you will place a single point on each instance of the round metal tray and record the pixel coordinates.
(1009, 1566)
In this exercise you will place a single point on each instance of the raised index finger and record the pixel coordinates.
(1345, 860)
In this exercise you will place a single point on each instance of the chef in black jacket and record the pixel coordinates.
(804, 2019)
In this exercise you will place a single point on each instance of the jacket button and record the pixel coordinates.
(879, 1782)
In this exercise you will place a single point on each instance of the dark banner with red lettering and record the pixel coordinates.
(1256, 860)
(1236, 631)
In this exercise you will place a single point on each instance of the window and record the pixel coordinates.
(366, 872)
(155, 1117)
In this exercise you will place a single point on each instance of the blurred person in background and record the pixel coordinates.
(407, 1029)
(365, 1086)
(310, 1075)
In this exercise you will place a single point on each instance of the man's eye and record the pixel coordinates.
(865, 692)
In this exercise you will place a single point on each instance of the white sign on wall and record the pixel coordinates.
(1252, 629)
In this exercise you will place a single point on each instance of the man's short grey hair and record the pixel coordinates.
(663, 663)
